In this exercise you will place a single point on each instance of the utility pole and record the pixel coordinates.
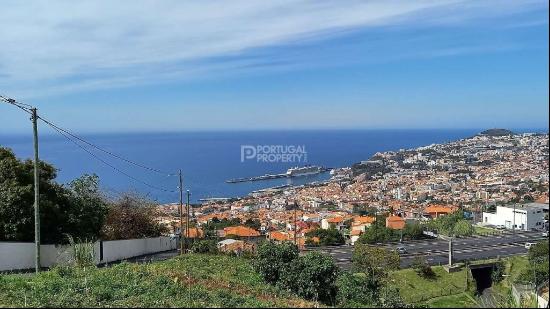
(36, 192)
(188, 215)
(451, 251)
(295, 225)
(514, 223)
(182, 246)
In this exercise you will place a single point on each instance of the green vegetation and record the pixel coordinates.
(189, 281)
(375, 261)
(537, 270)
(311, 276)
(461, 300)
(452, 225)
(77, 210)
(417, 289)
(131, 216)
(330, 237)
(379, 233)
(205, 247)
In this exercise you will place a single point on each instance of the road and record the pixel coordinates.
(436, 251)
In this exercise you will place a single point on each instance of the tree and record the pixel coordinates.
(463, 228)
(205, 247)
(253, 223)
(77, 211)
(132, 216)
(413, 231)
(311, 276)
(330, 237)
(89, 208)
(356, 290)
(374, 261)
(377, 233)
(272, 258)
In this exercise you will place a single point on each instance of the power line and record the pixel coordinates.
(68, 135)
(104, 150)
(110, 165)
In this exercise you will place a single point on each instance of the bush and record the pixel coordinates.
(311, 276)
(374, 261)
(330, 237)
(271, 258)
(356, 290)
(131, 217)
(422, 268)
(205, 247)
(497, 274)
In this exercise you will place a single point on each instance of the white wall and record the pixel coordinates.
(526, 218)
(18, 255)
(117, 250)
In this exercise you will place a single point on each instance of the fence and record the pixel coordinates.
(20, 256)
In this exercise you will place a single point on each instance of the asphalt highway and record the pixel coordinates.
(436, 251)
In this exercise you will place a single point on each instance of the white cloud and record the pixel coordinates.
(73, 45)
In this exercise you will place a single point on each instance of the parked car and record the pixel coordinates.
(528, 245)
(401, 250)
(500, 227)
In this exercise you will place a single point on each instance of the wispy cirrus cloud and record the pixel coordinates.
(67, 46)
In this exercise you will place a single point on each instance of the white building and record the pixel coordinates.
(526, 217)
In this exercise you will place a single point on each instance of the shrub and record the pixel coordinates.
(498, 271)
(422, 268)
(205, 247)
(131, 217)
(311, 276)
(375, 261)
(330, 237)
(83, 253)
(271, 258)
(356, 290)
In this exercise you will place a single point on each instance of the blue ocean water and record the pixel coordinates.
(208, 159)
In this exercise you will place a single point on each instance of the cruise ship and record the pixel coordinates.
(303, 171)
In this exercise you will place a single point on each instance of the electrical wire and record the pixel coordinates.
(69, 136)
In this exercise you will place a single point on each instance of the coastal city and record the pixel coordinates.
(274, 154)
(474, 175)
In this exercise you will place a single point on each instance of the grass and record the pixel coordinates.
(462, 300)
(415, 289)
(189, 281)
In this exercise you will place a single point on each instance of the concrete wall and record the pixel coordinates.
(117, 250)
(526, 218)
(18, 255)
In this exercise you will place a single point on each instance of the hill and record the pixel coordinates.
(189, 281)
(497, 132)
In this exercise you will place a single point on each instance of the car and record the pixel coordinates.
(401, 250)
(528, 245)
(545, 234)
(500, 227)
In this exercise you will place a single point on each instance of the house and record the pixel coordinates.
(517, 216)
(194, 232)
(240, 231)
(354, 236)
(235, 246)
(436, 211)
(395, 222)
(361, 223)
(336, 222)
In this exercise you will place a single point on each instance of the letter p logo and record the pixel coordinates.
(247, 152)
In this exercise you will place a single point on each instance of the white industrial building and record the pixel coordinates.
(527, 217)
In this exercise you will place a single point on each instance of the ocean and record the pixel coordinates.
(208, 159)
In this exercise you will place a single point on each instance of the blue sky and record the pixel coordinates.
(99, 66)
